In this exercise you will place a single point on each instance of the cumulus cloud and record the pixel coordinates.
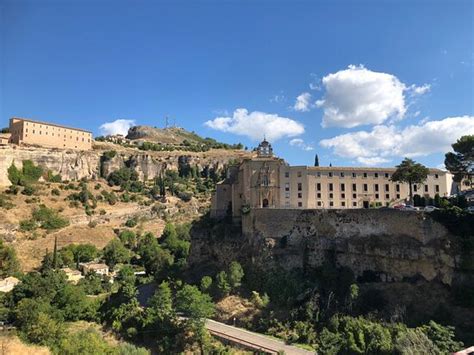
(298, 142)
(383, 143)
(120, 126)
(303, 102)
(257, 124)
(358, 96)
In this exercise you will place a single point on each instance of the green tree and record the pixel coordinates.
(85, 342)
(236, 273)
(410, 172)
(442, 336)
(8, 261)
(155, 259)
(115, 253)
(206, 283)
(14, 175)
(160, 305)
(222, 283)
(461, 162)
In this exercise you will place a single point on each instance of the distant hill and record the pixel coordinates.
(149, 137)
(173, 135)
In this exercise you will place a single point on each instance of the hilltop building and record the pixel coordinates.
(266, 181)
(49, 135)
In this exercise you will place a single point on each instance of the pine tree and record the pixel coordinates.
(316, 160)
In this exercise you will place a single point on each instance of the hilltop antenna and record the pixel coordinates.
(166, 122)
(174, 122)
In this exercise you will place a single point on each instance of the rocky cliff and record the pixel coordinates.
(74, 165)
(377, 245)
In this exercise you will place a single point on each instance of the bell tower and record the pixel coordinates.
(264, 149)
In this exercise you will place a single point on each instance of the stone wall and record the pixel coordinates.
(380, 245)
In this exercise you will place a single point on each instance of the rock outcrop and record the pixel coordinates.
(377, 245)
(75, 165)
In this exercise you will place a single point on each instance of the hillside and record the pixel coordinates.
(171, 135)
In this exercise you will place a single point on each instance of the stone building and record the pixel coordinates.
(50, 135)
(266, 181)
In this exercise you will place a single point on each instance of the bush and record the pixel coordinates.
(48, 218)
(131, 222)
(27, 225)
(5, 202)
(55, 192)
(28, 190)
(185, 196)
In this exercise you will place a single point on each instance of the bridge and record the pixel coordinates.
(251, 340)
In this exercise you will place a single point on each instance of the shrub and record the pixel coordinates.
(48, 218)
(27, 225)
(131, 222)
(5, 202)
(28, 190)
(55, 192)
(185, 196)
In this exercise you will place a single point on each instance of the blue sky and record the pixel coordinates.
(376, 80)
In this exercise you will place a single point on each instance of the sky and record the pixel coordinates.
(360, 83)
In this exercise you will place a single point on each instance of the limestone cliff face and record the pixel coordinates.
(377, 245)
(71, 165)
(74, 165)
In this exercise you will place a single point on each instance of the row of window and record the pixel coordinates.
(342, 196)
(52, 134)
(342, 174)
(58, 128)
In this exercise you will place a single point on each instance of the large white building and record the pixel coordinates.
(266, 181)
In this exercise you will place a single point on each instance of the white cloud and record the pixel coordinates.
(315, 83)
(257, 124)
(383, 143)
(120, 126)
(298, 142)
(419, 90)
(358, 96)
(278, 98)
(303, 102)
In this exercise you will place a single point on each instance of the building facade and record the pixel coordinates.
(266, 181)
(49, 135)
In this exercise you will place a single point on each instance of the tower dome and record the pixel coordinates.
(264, 149)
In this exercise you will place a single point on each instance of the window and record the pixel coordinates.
(40, 132)
(319, 203)
(377, 196)
(354, 175)
(354, 187)
(331, 195)
(354, 195)
(343, 187)
(27, 130)
(287, 174)
(300, 204)
(387, 196)
(398, 196)
(300, 186)
(415, 188)
(318, 195)
(287, 186)
(343, 195)
(330, 174)
(298, 174)
(287, 194)
(376, 175)
(331, 203)
(437, 188)
(436, 176)
(365, 175)
(343, 204)
(300, 195)
(318, 186)
(387, 175)
(387, 187)
(397, 187)
(426, 188)
(354, 204)
(366, 188)
(318, 174)
(330, 187)
(376, 187)
(341, 174)
(33, 131)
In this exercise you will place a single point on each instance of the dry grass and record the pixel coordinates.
(236, 307)
(12, 345)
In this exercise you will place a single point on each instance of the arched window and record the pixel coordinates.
(265, 203)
